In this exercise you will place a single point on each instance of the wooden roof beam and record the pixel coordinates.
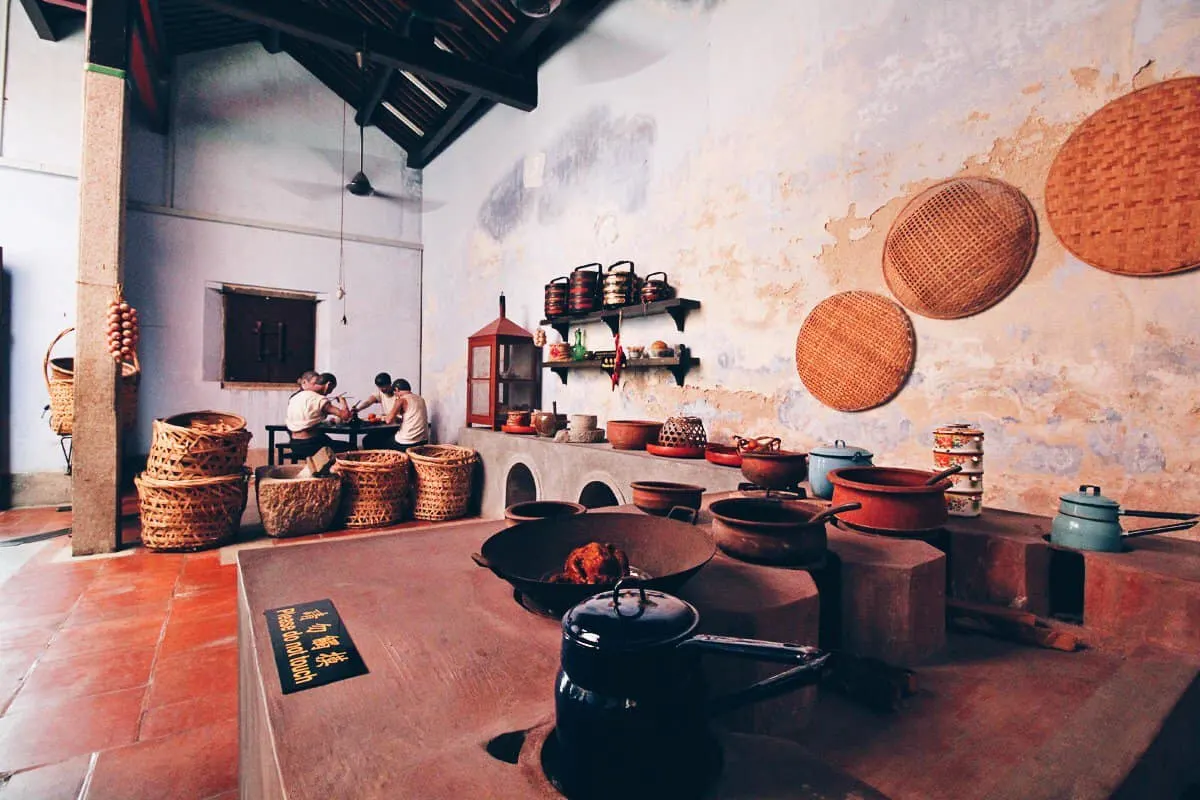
(343, 33)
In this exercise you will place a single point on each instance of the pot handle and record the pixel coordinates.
(1180, 526)
(652, 274)
(687, 514)
(616, 264)
(831, 512)
(599, 267)
(482, 562)
(810, 662)
(946, 473)
(1158, 514)
(559, 278)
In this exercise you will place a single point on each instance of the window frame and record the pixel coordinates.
(227, 289)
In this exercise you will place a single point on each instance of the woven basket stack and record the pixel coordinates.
(193, 491)
(374, 487)
(444, 474)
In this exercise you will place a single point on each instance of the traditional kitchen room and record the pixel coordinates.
(664, 399)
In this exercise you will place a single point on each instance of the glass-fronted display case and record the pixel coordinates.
(504, 372)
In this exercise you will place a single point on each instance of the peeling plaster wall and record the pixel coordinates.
(758, 152)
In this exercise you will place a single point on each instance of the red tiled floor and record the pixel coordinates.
(211, 670)
(89, 674)
(206, 576)
(98, 607)
(52, 782)
(194, 765)
(58, 730)
(195, 712)
(207, 631)
(213, 602)
(124, 633)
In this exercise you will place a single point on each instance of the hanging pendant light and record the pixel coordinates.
(536, 8)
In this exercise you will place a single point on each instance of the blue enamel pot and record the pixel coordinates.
(821, 460)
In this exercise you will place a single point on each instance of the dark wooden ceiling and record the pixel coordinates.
(430, 68)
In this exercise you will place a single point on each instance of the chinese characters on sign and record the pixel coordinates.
(312, 647)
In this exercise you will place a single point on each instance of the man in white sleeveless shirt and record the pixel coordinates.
(414, 418)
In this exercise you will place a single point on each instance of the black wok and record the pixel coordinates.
(664, 553)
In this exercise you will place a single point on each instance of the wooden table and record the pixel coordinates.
(351, 432)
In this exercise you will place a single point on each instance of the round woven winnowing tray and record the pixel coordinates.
(959, 247)
(855, 350)
(1124, 191)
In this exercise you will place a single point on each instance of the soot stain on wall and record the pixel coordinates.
(598, 157)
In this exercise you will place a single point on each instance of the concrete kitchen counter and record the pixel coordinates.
(454, 661)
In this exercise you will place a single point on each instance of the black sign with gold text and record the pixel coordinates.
(312, 647)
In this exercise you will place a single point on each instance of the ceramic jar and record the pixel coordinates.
(832, 456)
(962, 444)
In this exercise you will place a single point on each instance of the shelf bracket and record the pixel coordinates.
(679, 314)
(561, 372)
(564, 329)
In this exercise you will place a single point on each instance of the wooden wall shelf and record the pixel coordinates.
(677, 365)
(676, 307)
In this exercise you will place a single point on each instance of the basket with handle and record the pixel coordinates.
(190, 514)
(197, 444)
(59, 374)
(374, 487)
(444, 474)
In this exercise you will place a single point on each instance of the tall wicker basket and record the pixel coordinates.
(198, 444)
(191, 514)
(59, 374)
(374, 487)
(444, 474)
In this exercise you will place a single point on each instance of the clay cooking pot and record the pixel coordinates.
(775, 469)
(765, 531)
(893, 499)
(632, 434)
(660, 497)
(541, 509)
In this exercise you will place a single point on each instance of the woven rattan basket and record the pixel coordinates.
(190, 515)
(294, 506)
(374, 487)
(444, 474)
(59, 374)
(683, 432)
(198, 444)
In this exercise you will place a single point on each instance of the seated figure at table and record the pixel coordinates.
(389, 403)
(413, 416)
(308, 409)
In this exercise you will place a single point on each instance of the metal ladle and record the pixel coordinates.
(941, 476)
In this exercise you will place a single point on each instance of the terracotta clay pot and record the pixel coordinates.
(892, 499)
(775, 469)
(772, 531)
(632, 434)
(659, 497)
(541, 509)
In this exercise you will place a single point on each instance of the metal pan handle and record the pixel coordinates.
(1181, 526)
(810, 662)
(686, 514)
(1158, 514)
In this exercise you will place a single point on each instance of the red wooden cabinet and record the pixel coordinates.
(504, 372)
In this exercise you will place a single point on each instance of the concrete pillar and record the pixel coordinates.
(97, 457)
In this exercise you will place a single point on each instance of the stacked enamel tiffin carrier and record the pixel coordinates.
(961, 443)
(193, 492)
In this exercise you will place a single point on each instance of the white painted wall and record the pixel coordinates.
(245, 189)
(39, 216)
(758, 151)
(255, 138)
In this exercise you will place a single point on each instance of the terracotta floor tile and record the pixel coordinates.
(97, 608)
(59, 781)
(210, 670)
(14, 666)
(32, 603)
(57, 731)
(190, 607)
(37, 636)
(193, 765)
(124, 633)
(208, 578)
(205, 631)
(15, 625)
(196, 712)
(97, 673)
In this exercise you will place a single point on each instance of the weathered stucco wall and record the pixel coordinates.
(758, 152)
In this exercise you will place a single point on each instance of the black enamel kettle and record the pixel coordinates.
(631, 708)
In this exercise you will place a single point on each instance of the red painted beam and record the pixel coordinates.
(143, 80)
(74, 5)
(149, 28)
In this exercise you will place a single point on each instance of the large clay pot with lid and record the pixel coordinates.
(630, 703)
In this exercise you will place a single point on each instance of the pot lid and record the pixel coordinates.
(961, 428)
(641, 618)
(1089, 495)
(839, 449)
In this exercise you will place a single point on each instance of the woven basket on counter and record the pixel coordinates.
(59, 374)
(198, 444)
(444, 475)
(374, 487)
(293, 506)
(190, 514)
(683, 432)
